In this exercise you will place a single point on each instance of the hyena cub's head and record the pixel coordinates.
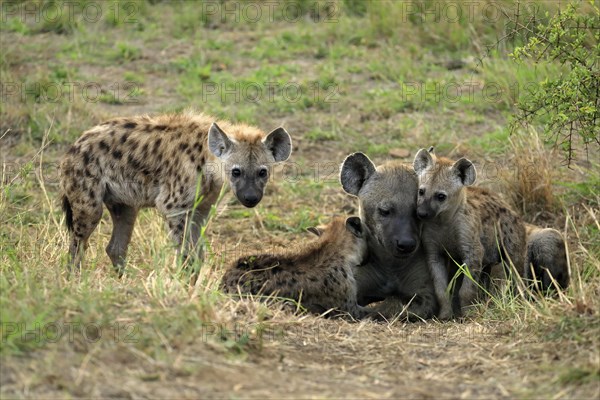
(246, 159)
(547, 262)
(387, 203)
(345, 234)
(441, 183)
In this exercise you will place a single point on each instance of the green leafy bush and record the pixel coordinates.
(568, 106)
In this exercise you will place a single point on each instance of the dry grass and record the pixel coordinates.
(530, 180)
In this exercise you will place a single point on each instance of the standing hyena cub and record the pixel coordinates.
(318, 275)
(470, 224)
(131, 163)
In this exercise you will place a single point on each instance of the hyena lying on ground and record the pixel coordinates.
(546, 267)
(396, 271)
(546, 259)
(318, 275)
(471, 225)
(131, 163)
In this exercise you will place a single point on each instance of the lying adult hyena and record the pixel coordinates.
(319, 275)
(143, 161)
(396, 270)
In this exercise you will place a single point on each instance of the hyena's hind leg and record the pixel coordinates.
(82, 219)
(123, 219)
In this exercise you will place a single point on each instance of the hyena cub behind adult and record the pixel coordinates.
(547, 264)
(470, 224)
(318, 275)
(143, 161)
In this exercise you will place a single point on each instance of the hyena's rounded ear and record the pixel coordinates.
(465, 170)
(279, 142)
(423, 160)
(355, 171)
(354, 225)
(218, 142)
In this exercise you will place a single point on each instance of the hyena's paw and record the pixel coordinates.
(445, 314)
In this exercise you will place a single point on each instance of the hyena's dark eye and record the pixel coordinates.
(421, 192)
(236, 172)
(441, 196)
(263, 173)
(383, 212)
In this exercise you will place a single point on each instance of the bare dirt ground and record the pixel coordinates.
(316, 359)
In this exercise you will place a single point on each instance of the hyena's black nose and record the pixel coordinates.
(423, 214)
(406, 245)
(250, 200)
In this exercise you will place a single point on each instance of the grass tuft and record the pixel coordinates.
(530, 177)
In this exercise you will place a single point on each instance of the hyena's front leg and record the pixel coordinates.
(421, 305)
(185, 225)
(184, 232)
(197, 219)
(439, 274)
(358, 312)
(473, 258)
(419, 302)
(388, 309)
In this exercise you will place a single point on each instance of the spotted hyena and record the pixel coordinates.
(395, 276)
(547, 264)
(546, 267)
(176, 163)
(319, 275)
(466, 224)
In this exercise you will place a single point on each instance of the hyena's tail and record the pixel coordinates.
(66, 206)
